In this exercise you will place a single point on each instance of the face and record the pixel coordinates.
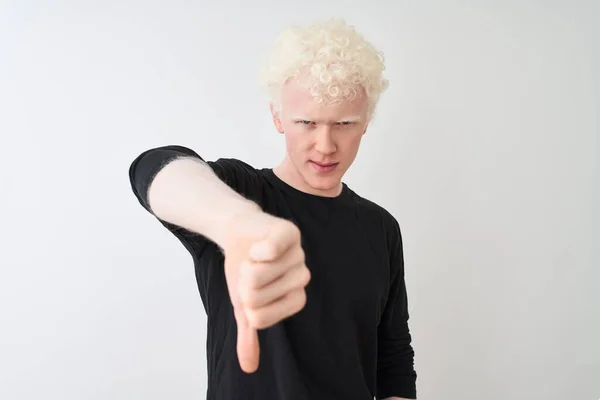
(321, 141)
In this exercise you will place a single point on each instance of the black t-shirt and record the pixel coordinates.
(351, 340)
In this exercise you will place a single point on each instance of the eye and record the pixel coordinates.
(304, 122)
(345, 123)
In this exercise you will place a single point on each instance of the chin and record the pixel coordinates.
(323, 183)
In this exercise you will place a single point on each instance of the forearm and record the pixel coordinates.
(186, 192)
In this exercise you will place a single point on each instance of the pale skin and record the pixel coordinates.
(321, 134)
(264, 260)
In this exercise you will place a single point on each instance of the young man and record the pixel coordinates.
(301, 278)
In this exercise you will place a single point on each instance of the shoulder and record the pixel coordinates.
(374, 210)
(241, 177)
(378, 217)
(235, 171)
(233, 164)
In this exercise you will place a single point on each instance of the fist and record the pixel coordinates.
(266, 277)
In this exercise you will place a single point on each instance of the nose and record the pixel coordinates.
(324, 142)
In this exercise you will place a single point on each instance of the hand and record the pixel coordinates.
(266, 276)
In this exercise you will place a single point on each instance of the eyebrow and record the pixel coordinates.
(354, 118)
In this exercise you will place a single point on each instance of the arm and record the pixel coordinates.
(178, 187)
(396, 377)
(219, 201)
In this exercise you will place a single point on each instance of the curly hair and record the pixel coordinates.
(331, 58)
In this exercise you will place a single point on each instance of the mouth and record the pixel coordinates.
(323, 167)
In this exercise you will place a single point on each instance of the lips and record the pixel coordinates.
(324, 165)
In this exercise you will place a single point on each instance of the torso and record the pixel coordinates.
(329, 349)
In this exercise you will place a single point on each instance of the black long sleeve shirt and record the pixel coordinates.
(351, 340)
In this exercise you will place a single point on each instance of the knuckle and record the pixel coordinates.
(301, 256)
(292, 228)
(286, 223)
(296, 231)
(305, 278)
(299, 300)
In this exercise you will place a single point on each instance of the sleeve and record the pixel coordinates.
(145, 167)
(238, 175)
(396, 375)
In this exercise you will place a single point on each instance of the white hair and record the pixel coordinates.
(333, 60)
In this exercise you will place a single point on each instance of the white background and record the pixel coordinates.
(485, 148)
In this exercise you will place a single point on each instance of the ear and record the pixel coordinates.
(276, 119)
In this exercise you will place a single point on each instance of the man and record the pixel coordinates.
(301, 278)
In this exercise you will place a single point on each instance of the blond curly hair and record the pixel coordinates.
(334, 61)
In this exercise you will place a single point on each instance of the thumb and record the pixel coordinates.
(247, 343)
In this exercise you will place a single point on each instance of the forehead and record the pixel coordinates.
(297, 100)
